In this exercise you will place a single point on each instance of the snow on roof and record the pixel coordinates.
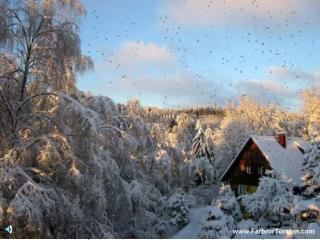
(288, 160)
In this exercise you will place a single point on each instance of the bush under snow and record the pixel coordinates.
(217, 225)
(273, 198)
(228, 203)
(179, 207)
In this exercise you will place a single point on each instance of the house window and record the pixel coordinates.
(260, 170)
(241, 189)
(249, 169)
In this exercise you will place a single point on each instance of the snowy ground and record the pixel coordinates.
(197, 215)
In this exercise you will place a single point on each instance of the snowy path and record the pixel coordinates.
(193, 228)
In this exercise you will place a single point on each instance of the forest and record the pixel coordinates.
(77, 165)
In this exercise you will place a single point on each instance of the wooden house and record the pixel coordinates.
(260, 153)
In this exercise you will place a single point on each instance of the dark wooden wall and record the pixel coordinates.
(249, 156)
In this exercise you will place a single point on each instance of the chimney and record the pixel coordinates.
(281, 139)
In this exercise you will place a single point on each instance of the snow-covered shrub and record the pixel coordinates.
(311, 170)
(162, 227)
(217, 225)
(205, 194)
(228, 203)
(178, 207)
(305, 210)
(273, 198)
(222, 216)
(247, 224)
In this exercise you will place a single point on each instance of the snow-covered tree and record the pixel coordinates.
(228, 203)
(202, 171)
(178, 141)
(217, 225)
(311, 169)
(44, 34)
(209, 136)
(202, 165)
(229, 138)
(179, 207)
(311, 111)
(200, 144)
(222, 216)
(143, 206)
(263, 119)
(133, 106)
(163, 163)
(40, 49)
(273, 198)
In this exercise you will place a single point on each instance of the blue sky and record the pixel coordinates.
(178, 53)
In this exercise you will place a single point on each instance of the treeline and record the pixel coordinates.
(167, 112)
(198, 111)
(203, 111)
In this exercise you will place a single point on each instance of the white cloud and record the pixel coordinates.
(138, 53)
(241, 12)
(294, 75)
(147, 70)
(266, 90)
(283, 86)
(182, 89)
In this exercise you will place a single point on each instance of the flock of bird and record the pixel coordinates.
(218, 45)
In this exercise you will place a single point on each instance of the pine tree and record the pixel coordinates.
(228, 203)
(200, 146)
(217, 225)
(202, 166)
(179, 209)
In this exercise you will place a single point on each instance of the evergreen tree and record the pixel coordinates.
(202, 166)
(200, 145)
(228, 203)
(179, 209)
(222, 215)
(217, 225)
